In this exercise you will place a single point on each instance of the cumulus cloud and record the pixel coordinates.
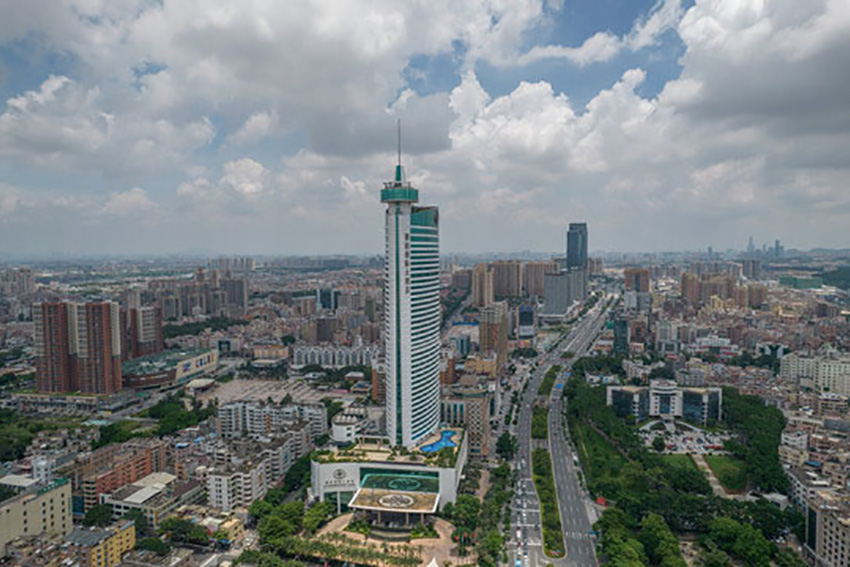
(751, 136)
(246, 176)
(133, 202)
(257, 127)
(604, 46)
(63, 124)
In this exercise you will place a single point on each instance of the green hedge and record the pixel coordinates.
(549, 381)
(544, 482)
(540, 423)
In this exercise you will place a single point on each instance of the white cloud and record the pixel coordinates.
(599, 47)
(64, 125)
(133, 202)
(246, 176)
(752, 133)
(257, 127)
(604, 46)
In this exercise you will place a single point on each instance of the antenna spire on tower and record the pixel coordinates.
(399, 173)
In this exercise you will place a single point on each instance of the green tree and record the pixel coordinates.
(660, 544)
(274, 496)
(506, 446)
(183, 531)
(316, 515)
(753, 547)
(154, 544)
(297, 476)
(489, 548)
(716, 558)
(259, 509)
(140, 521)
(100, 516)
(275, 527)
(789, 558)
(292, 512)
(465, 512)
(658, 443)
(767, 518)
(724, 532)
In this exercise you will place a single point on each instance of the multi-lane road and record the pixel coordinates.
(526, 548)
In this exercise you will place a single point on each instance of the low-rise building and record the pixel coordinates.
(827, 541)
(156, 496)
(246, 418)
(168, 368)
(355, 421)
(180, 557)
(94, 547)
(372, 476)
(234, 486)
(804, 484)
(663, 398)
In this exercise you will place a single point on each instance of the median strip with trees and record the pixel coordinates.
(544, 482)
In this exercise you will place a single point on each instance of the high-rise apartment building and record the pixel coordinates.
(96, 347)
(525, 322)
(17, 281)
(535, 273)
(54, 371)
(621, 335)
(689, 287)
(751, 268)
(508, 278)
(142, 331)
(482, 285)
(637, 279)
(577, 260)
(577, 246)
(411, 314)
(493, 330)
(78, 347)
(467, 404)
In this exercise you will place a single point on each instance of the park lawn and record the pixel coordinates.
(600, 459)
(680, 461)
(731, 472)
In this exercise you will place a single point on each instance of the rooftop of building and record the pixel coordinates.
(89, 537)
(438, 449)
(156, 479)
(395, 501)
(151, 559)
(160, 361)
(144, 489)
(35, 490)
(18, 482)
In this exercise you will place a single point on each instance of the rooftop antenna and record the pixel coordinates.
(399, 172)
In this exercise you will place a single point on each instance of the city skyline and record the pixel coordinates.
(155, 129)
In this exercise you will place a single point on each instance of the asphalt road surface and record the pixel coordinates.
(526, 543)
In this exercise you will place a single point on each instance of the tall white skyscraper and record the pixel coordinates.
(412, 314)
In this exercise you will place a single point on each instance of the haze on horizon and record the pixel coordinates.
(152, 128)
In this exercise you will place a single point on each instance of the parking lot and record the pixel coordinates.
(684, 438)
(261, 390)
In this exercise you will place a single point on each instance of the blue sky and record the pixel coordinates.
(257, 127)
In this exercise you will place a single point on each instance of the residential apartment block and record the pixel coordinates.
(39, 509)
